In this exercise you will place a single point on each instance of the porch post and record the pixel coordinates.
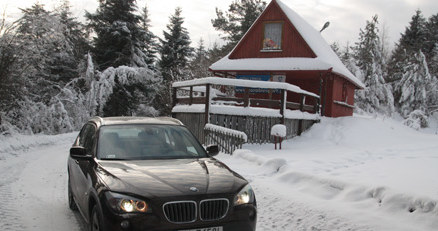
(191, 96)
(283, 101)
(207, 104)
(174, 99)
(246, 98)
(300, 123)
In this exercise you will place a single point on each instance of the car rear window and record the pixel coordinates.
(142, 142)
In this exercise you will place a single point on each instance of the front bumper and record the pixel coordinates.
(238, 218)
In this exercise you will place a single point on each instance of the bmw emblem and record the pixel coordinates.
(193, 189)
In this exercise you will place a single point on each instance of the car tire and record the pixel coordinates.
(96, 220)
(71, 201)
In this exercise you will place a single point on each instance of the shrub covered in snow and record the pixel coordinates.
(416, 119)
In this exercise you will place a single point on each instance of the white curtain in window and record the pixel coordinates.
(272, 39)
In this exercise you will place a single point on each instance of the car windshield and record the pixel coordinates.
(150, 141)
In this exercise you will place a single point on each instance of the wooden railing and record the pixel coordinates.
(227, 139)
(246, 101)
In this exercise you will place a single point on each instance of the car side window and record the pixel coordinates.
(81, 137)
(89, 138)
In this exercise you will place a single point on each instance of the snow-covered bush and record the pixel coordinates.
(122, 90)
(416, 120)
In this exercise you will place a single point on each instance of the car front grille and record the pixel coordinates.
(213, 209)
(180, 211)
(186, 211)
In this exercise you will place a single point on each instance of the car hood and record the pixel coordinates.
(153, 178)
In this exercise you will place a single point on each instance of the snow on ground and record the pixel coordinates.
(374, 173)
(344, 174)
(33, 183)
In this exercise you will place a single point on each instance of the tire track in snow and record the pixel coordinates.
(34, 190)
(10, 169)
(280, 211)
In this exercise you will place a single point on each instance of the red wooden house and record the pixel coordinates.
(281, 46)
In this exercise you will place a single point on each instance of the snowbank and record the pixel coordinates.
(360, 167)
(11, 145)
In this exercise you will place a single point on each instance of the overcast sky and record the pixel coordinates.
(346, 16)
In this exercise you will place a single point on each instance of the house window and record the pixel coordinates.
(344, 93)
(272, 36)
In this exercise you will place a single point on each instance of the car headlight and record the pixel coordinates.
(126, 204)
(245, 196)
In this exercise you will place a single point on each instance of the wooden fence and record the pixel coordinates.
(257, 128)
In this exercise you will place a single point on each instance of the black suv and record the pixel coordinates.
(132, 173)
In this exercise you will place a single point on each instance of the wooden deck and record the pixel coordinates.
(253, 116)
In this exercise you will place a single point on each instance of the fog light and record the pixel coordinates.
(124, 224)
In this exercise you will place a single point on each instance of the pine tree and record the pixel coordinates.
(175, 50)
(200, 63)
(45, 53)
(10, 83)
(414, 86)
(73, 30)
(120, 38)
(410, 43)
(348, 60)
(65, 62)
(237, 20)
(377, 96)
(216, 52)
(431, 44)
(150, 44)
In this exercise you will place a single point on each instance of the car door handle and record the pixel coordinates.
(77, 161)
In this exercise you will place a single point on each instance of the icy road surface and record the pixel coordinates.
(333, 184)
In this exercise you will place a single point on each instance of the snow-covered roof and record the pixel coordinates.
(325, 59)
(243, 83)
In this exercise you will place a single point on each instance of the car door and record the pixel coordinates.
(74, 170)
(82, 167)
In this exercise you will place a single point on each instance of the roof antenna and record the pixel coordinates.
(327, 24)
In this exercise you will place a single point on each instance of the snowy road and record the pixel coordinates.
(296, 189)
(33, 185)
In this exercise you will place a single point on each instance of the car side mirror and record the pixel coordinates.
(79, 152)
(212, 150)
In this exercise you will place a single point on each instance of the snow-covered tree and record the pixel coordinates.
(46, 55)
(175, 49)
(124, 90)
(200, 62)
(415, 86)
(73, 30)
(9, 83)
(410, 43)
(215, 53)
(377, 96)
(119, 37)
(150, 45)
(235, 22)
(175, 52)
(431, 44)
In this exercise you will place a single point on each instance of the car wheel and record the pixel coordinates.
(96, 220)
(71, 200)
